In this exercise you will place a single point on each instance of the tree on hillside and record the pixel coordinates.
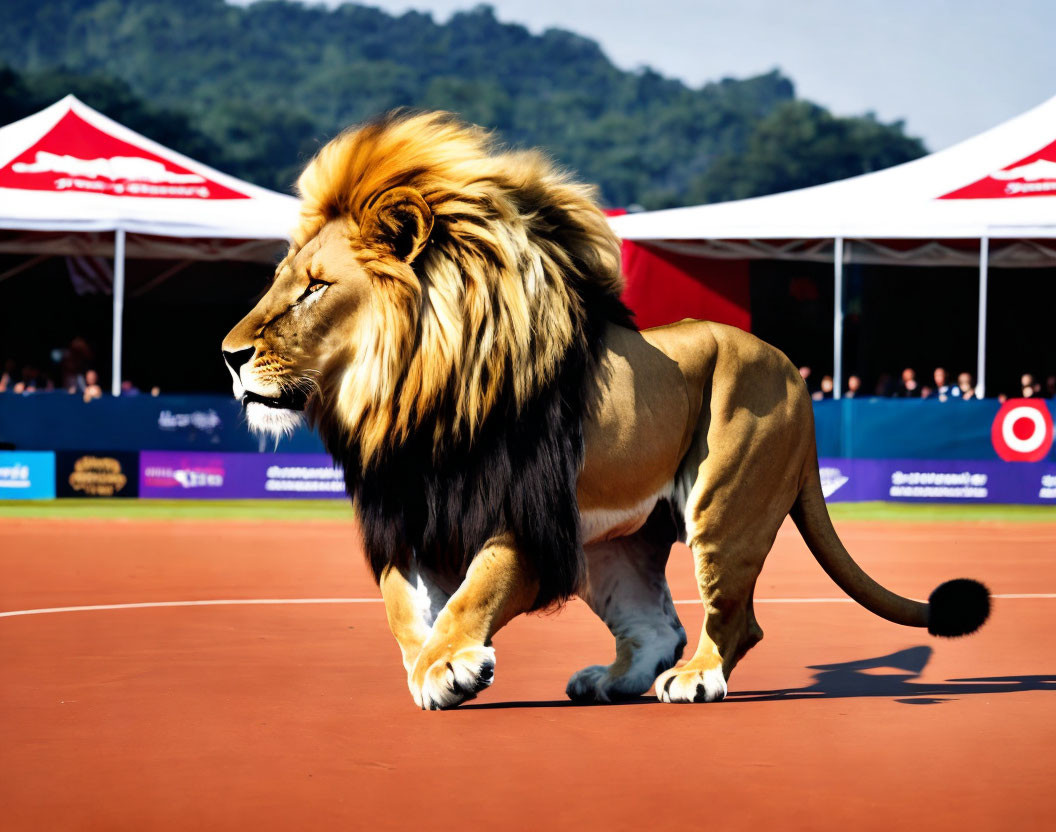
(801, 144)
(261, 86)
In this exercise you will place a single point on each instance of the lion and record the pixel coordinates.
(448, 318)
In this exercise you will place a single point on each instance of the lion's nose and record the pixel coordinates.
(237, 358)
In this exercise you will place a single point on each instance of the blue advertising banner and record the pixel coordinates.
(60, 422)
(206, 476)
(850, 428)
(938, 480)
(913, 428)
(27, 475)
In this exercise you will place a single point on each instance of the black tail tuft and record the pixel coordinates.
(957, 608)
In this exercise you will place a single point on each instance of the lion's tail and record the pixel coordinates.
(955, 608)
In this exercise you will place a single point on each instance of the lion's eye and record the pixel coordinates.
(315, 285)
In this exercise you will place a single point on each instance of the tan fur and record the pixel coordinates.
(498, 587)
(442, 269)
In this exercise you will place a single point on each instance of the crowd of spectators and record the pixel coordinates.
(941, 386)
(70, 371)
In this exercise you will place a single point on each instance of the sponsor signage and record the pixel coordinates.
(207, 421)
(206, 476)
(930, 481)
(1022, 430)
(833, 477)
(27, 475)
(1034, 175)
(76, 156)
(96, 474)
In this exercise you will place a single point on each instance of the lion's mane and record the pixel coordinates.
(457, 414)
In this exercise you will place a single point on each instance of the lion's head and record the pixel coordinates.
(431, 273)
(440, 316)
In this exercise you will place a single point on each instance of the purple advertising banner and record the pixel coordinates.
(942, 481)
(196, 475)
(204, 476)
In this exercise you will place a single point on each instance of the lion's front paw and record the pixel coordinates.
(448, 681)
(690, 684)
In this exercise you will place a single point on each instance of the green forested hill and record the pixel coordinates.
(256, 89)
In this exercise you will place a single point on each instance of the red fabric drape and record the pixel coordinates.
(663, 287)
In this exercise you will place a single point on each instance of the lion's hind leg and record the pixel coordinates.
(733, 514)
(627, 588)
(730, 629)
(731, 523)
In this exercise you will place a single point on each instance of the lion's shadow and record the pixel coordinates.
(846, 680)
(855, 679)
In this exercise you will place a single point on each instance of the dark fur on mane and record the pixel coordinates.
(517, 476)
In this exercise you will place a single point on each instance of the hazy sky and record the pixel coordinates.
(950, 68)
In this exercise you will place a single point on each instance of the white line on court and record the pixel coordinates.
(1014, 595)
(218, 603)
(1007, 595)
(235, 602)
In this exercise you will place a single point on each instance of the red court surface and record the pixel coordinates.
(297, 716)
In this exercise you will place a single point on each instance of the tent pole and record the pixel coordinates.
(980, 359)
(837, 319)
(119, 308)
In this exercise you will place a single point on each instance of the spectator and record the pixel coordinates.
(909, 389)
(884, 385)
(155, 391)
(1050, 387)
(826, 389)
(854, 386)
(71, 380)
(92, 390)
(943, 389)
(7, 377)
(29, 377)
(804, 373)
(74, 362)
(966, 385)
(925, 391)
(1029, 387)
(128, 388)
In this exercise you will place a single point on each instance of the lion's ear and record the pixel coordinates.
(400, 221)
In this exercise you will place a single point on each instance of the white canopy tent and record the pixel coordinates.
(73, 181)
(998, 186)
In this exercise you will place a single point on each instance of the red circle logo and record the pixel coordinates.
(1022, 430)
